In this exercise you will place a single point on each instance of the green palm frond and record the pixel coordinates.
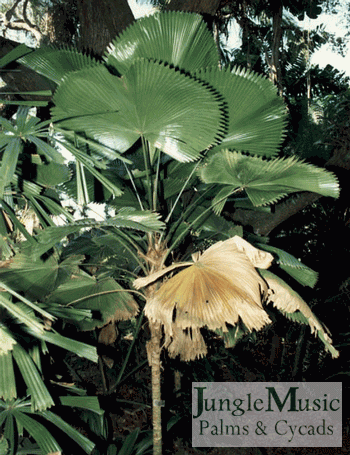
(13, 279)
(295, 268)
(38, 431)
(77, 347)
(40, 396)
(88, 403)
(221, 197)
(46, 149)
(26, 128)
(33, 276)
(176, 38)
(16, 415)
(171, 110)
(43, 198)
(17, 52)
(67, 313)
(266, 181)
(57, 63)
(257, 116)
(69, 344)
(86, 162)
(52, 174)
(21, 314)
(91, 147)
(105, 297)
(8, 389)
(69, 431)
(9, 163)
(127, 218)
(213, 226)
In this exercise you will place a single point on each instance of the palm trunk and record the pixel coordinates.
(153, 352)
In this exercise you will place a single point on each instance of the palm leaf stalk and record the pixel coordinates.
(168, 91)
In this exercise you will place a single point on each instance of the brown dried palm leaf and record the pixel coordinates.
(220, 287)
(285, 299)
(189, 344)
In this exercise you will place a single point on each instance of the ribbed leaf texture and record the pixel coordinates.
(9, 163)
(220, 287)
(16, 53)
(57, 63)
(173, 111)
(42, 435)
(69, 431)
(176, 38)
(25, 128)
(89, 403)
(257, 116)
(144, 221)
(290, 264)
(52, 174)
(86, 163)
(77, 347)
(20, 313)
(34, 277)
(289, 302)
(266, 181)
(40, 396)
(7, 377)
(106, 298)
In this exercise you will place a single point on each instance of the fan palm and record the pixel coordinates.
(168, 133)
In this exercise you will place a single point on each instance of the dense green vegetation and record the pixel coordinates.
(179, 146)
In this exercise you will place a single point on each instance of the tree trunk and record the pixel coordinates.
(61, 23)
(153, 353)
(264, 222)
(275, 66)
(101, 21)
(247, 31)
(208, 7)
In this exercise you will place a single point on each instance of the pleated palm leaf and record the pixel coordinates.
(292, 306)
(264, 181)
(220, 289)
(160, 87)
(161, 82)
(22, 363)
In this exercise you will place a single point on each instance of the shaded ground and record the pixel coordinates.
(128, 405)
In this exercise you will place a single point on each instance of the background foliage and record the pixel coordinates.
(60, 279)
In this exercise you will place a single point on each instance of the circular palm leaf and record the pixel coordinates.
(57, 63)
(174, 112)
(256, 114)
(176, 38)
(266, 181)
(220, 287)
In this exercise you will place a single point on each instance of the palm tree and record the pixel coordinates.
(170, 138)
